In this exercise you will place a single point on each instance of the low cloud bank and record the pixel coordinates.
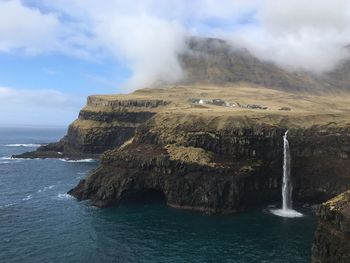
(48, 107)
(147, 36)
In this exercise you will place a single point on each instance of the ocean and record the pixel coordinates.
(39, 222)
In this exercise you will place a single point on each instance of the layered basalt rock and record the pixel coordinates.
(208, 186)
(332, 238)
(320, 162)
(102, 124)
(219, 165)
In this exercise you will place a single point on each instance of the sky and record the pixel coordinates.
(55, 53)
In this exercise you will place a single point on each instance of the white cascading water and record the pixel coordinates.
(287, 187)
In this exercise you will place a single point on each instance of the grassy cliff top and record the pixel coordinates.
(303, 109)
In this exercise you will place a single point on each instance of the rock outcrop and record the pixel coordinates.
(191, 167)
(332, 238)
(155, 142)
(219, 164)
(102, 124)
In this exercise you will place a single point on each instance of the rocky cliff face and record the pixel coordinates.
(219, 165)
(332, 238)
(207, 157)
(102, 124)
(203, 169)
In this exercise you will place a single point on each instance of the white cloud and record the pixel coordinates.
(26, 28)
(146, 35)
(37, 106)
(150, 48)
(309, 35)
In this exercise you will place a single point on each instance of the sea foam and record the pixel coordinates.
(23, 145)
(77, 161)
(64, 196)
(286, 213)
(27, 198)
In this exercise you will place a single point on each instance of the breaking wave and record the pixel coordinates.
(7, 205)
(6, 158)
(64, 196)
(27, 198)
(23, 145)
(78, 161)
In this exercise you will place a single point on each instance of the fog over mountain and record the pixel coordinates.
(148, 36)
(215, 61)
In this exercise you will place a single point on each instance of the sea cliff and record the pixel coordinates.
(332, 238)
(207, 149)
(210, 157)
(219, 164)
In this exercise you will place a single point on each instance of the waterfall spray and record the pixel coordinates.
(287, 187)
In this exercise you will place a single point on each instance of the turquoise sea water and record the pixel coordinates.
(40, 223)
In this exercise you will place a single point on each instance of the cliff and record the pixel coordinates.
(332, 238)
(213, 157)
(213, 142)
(103, 124)
(219, 165)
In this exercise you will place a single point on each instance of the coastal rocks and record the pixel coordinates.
(102, 124)
(219, 165)
(183, 180)
(332, 237)
(194, 169)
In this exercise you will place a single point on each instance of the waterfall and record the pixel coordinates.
(287, 187)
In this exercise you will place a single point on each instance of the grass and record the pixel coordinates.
(306, 109)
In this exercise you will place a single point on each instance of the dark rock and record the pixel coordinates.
(332, 237)
(103, 125)
(220, 171)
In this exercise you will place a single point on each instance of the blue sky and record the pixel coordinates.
(55, 53)
(61, 72)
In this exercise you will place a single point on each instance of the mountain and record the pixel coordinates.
(339, 78)
(215, 61)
